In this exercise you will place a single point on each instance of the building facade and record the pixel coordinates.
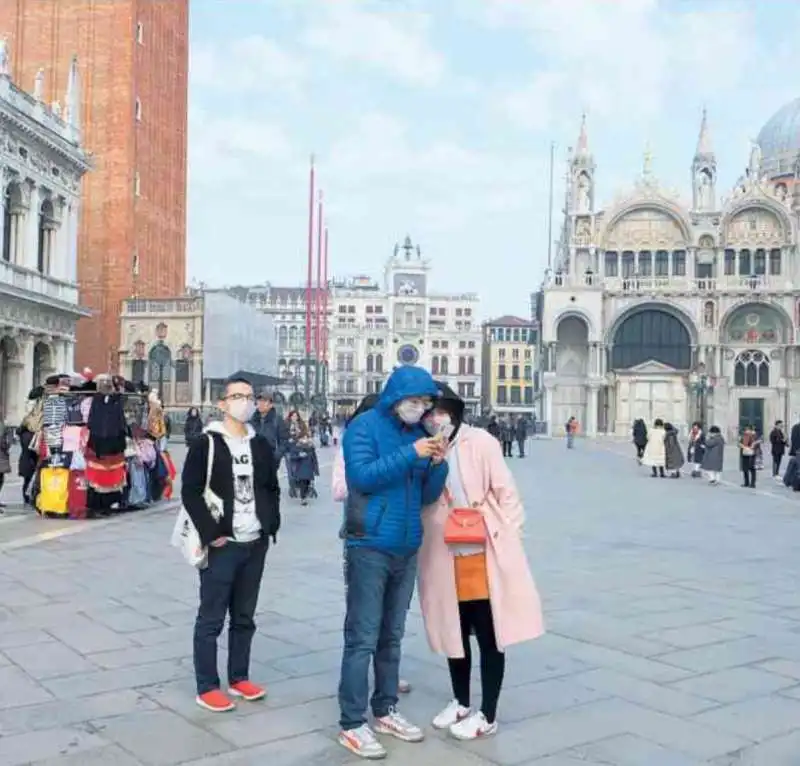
(134, 59)
(509, 366)
(661, 307)
(375, 329)
(41, 167)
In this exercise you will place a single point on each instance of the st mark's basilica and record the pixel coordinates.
(660, 308)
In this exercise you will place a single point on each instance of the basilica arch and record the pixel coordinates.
(756, 324)
(754, 223)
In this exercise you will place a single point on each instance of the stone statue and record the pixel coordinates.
(4, 70)
(396, 249)
(708, 315)
(38, 86)
(56, 108)
(704, 191)
(583, 193)
(755, 161)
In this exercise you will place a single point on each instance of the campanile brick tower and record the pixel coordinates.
(133, 58)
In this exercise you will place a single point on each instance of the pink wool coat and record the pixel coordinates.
(515, 601)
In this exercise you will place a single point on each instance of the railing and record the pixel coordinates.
(162, 306)
(40, 284)
(672, 284)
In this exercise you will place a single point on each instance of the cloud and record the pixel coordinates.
(394, 42)
(253, 64)
(622, 57)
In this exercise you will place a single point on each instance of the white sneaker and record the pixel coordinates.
(397, 726)
(453, 713)
(362, 742)
(473, 727)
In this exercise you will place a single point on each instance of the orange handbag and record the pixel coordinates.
(465, 526)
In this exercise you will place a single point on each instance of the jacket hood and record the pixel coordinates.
(218, 427)
(714, 438)
(405, 382)
(450, 401)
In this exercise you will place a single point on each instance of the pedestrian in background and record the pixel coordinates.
(570, 429)
(696, 449)
(748, 444)
(521, 432)
(6, 440)
(777, 441)
(242, 474)
(714, 456)
(655, 453)
(507, 436)
(639, 438)
(478, 583)
(673, 454)
(193, 426)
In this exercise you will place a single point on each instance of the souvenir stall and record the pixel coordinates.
(98, 445)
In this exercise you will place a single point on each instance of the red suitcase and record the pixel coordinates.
(77, 499)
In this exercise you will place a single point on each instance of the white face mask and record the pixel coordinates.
(439, 423)
(241, 410)
(410, 412)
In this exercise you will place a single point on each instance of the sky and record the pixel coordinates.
(434, 119)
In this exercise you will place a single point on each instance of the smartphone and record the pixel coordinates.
(445, 432)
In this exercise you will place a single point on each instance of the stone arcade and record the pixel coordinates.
(41, 166)
(683, 311)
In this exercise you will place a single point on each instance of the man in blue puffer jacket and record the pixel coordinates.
(393, 469)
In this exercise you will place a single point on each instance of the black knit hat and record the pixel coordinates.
(449, 401)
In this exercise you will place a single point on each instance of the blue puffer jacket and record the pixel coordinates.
(387, 483)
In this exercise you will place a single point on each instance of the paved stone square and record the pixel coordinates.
(672, 609)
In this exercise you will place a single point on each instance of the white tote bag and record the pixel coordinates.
(184, 534)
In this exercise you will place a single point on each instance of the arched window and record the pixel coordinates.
(435, 365)
(370, 363)
(283, 333)
(443, 365)
(751, 370)
(462, 365)
(471, 365)
(138, 370)
(292, 337)
(651, 334)
(41, 363)
(378, 363)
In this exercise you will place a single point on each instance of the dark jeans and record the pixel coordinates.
(476, 617)
(749, 470)
(640, 451)
(776, 464)
(521, 446)
(507, 448)
(304, 485)
(229, 585)
(379, 587)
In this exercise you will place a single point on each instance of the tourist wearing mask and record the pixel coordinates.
(393, 468)
(697, 449)
(473, 571)
(236, 530)
(655, 453)
(748, 447)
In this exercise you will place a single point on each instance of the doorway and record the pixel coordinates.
(751, 412)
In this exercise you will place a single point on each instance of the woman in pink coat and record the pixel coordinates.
(481, 589)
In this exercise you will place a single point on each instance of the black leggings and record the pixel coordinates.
(749, 470)
(640, 451)
(476, 616)
(304, 485)
(776, 464)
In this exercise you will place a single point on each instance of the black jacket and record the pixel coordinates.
(794, 440)
(265, 487)
(273, 429)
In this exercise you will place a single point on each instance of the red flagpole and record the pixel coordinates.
(318, 295)
(325, 300)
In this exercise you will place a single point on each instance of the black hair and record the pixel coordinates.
(658, 423)
(234, 379)
(365, 405)
(714, 430)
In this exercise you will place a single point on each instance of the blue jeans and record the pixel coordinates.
(570, 440)
(379, 590)
(229, 586)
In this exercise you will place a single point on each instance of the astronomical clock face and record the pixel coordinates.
(409, 284)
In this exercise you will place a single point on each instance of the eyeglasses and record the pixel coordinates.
(240, 398)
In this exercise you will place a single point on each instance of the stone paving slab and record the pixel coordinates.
(672, 613)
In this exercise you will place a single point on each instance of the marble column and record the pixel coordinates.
(591, 412)
(30, 245)
(197, 379)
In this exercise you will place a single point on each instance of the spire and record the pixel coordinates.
(72, 100)
(582, 147)
(704, 148)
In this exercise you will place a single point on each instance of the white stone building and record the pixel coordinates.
(41, 166)
(375, 329)
(660, 307)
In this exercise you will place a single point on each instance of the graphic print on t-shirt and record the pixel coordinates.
(242, 479)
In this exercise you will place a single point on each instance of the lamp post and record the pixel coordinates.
(702, 387)
(161, 357)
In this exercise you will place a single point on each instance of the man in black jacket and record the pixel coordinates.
(267, 423)
(235, 519)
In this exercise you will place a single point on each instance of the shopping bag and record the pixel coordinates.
(184, 534)
(187, 540)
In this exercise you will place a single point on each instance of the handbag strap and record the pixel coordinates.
(209, 463)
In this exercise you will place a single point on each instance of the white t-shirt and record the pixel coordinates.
(246, 526)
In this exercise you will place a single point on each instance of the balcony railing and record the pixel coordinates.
(163, 306)
(732, 282)
(37, 283)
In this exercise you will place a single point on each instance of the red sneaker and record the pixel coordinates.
(215, 701)
(247, 691)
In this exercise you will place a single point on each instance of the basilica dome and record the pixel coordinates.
(779, 140)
